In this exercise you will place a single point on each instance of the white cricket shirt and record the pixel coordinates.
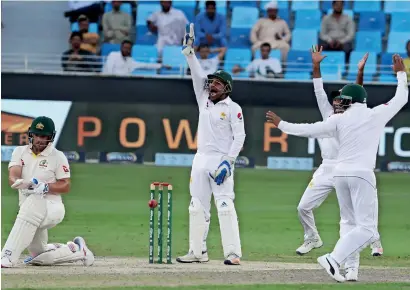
(262, 68)
(49, 166)
(221, 126)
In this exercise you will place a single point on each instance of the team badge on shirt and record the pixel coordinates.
(223, 116)
(43, 163)
(239, 116)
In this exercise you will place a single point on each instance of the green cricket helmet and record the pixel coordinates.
(42, 126)
(350, 94)
(224, 77)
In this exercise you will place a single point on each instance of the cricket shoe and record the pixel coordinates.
(308, 245)
(191, 258)
(352, 274)
(5, 263)
(377, 249)
(88, 255)
(331, 267)
(232, 260)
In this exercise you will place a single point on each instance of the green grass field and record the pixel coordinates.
(108, 205)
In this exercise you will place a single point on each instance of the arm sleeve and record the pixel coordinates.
(387, 111)
(199, 34)
(222, 30)
(323, 30)
(16, 157)
(63, 168)
(254, 32)
(350, 31)
(153, 18)
(321, 97)
(109, 64)
(198, 76)
(128, 22)
(286, 31)
(142, 65)
(324, 129)
(108, 33)
(238, 131)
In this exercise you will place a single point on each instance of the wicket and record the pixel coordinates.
(160, 186)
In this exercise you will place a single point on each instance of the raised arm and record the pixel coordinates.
(360, 71)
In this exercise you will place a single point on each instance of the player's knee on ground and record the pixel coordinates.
(197, 226)
(64, 254)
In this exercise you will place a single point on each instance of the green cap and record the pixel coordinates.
(42, 126)
(225, 77)
(354, 92)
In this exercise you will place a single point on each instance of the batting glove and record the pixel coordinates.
(189, 39)
(224, 170)
(22, 184)
(39, 187)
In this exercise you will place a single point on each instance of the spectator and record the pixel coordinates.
(210, 27)
(264, 67)
(210, 65)
(77, 59)
(407, 60)
(121, 62)
(337, 30)
(90, 39)
(272, 30)
(169, 23)
(116, 24)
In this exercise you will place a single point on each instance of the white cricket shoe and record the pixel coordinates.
(191, 258)
(377, 249)
(331, 267)
(5, 263)
(309, 244)
(352, 274)
(232, 260)
(88, 255)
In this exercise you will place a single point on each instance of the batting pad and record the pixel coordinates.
(228, 223)
(64, 254)
(197, 226)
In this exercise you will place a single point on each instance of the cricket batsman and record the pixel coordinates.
(322, 182)
(221, 136)
(41, 174)
(358, 130)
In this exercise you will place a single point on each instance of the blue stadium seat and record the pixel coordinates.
(297, 76)
(172, 56)
(397, 42)
(352, 77)
(305, 5)
(345, 11)
(144, 11)
(273, 53)
(188, 11)
(107, 48)
(147, 54)
(244, 17)
(125, 7)
(237, 56)
(239, 38)
(390, 78)
(387, 61)
(221, 6)
(396, 6)
(303, 39)
(371, 64)
(365, 6)
(326, 5)
(400, 21)
(368, 41)
(282, 4)
(144, 36)
(233, 4)
(331, 77)
(92, 28)
(308, 19)
(299, 61)
(334, 63)
(372, 21)
(186, 3)
(283, 14)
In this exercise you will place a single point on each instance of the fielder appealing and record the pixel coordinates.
(358, 131)
(322, 182)
(221, 136)
(41, 173)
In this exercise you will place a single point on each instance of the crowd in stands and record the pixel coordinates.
(257, 39)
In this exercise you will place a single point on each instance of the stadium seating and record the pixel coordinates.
(303, 39)
(371, 64)
(331, 77)
(326, 5)
(366, 6)
(299, 61)
(397, 42)
(273, 53)
(390, 78)
(345, 11)
(233, 4)
(221, 6)
(144, 11)
(400, 21)
(396, 6)
(92, 28)
(125, 7)
(172, 56)
(237, 56)
(244, 17)
(386, 62)
(144, 53)
(368, 41)
(305, 5)
(107, 48)
(239, 38)
(144, 36)
(308, 19)
(297, 76)
(372, 21)
(283, 14)
(334, 63)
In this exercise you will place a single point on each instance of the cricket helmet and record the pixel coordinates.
(42, 126)
(349, 94)
(224, 77)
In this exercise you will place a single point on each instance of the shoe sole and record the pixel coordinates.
(323, 262)
(377, 255)
(301, 254)
(190, 262)
(229, 263)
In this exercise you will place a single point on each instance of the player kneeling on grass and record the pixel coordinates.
(41, 174)
(221, 135)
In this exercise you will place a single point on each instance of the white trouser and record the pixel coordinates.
(316, 192)
(357, 197)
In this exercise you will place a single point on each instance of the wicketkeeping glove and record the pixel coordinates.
(22, 184)
(224, 170)
(189, 40)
